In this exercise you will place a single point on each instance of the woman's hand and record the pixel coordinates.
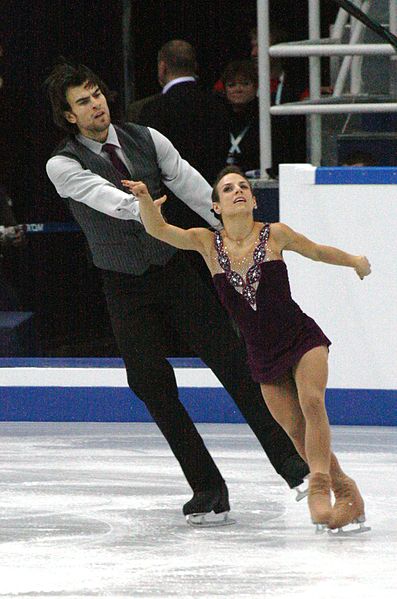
(140, 191)
(137, 188)
(362, 267)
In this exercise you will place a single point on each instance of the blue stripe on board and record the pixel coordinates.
(361, 407)
(354, 175)
(88, 363)
(104, 404)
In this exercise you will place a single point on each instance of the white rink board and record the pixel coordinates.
(358, 316)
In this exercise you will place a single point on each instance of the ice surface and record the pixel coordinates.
(94, 510)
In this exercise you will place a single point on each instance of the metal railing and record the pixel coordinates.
(314, 48)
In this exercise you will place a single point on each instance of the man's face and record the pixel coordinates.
(89, 111)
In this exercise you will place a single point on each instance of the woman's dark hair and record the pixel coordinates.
(227, 170)
(246, 69)
(63, 76)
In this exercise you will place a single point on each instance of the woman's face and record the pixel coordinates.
(240, 91)
(235, 196)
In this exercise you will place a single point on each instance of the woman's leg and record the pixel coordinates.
(299, 407)
(310, 376)
(297, 403)
(282, 401)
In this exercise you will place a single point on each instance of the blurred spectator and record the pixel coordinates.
(277, 73)
(1, 74)
(241, 133)
(189, 116)
(288, 80)
(288, 83)
(360, 158)
(11, 236)
(134, 108)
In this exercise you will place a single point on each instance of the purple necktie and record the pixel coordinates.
(118, 164)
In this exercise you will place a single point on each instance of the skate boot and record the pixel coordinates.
(319, 500)
(348, 508)
(209, 508)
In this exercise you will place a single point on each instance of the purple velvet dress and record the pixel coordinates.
(276, 331)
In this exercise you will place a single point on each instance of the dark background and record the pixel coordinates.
(53, 274)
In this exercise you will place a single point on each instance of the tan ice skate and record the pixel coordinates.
(319, 500)
(348, 508)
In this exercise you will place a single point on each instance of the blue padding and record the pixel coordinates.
(88, 363)
(104, 404)
(361, 407)
(354, 175)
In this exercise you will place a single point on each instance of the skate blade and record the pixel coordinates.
(301, 493)
(351, 529)
(210, 520)
(320, 528)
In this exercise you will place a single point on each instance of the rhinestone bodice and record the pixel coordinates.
(246, 285)
(254, 289)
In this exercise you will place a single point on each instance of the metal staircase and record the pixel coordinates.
(349, 42)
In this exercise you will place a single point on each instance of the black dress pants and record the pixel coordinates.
(143, 310)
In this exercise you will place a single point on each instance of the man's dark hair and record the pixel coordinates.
(63, 76)
(227, 170)
(179, 56)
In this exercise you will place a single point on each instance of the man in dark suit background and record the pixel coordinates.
(189, 116)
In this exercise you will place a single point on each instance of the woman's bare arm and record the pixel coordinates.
(288, 239)
(185, 239)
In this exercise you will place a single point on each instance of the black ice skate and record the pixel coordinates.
(209, 508)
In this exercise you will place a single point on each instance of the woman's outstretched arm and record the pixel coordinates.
(155, 225)
(288, 239)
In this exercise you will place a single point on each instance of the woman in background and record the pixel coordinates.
(241, 129)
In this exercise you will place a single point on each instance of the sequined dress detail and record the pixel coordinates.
(276, 331)
(247, 284)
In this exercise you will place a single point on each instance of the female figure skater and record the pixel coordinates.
(287, 351)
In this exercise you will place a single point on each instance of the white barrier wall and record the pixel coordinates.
(358, 316)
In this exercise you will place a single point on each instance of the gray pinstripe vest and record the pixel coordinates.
(115, 244)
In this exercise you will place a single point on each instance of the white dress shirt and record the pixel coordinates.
(71, 180)
(177, 80)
